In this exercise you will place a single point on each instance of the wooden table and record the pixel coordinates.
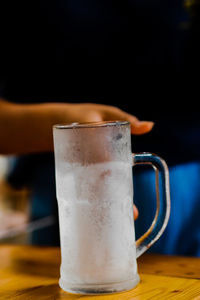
(28, 273)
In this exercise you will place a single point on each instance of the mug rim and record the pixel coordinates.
(98, 124)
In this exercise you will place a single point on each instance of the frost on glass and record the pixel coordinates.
(95, 199)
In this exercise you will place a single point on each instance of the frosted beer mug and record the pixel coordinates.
(95, 200)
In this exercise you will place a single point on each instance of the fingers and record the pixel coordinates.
(135, 212)
(141, 127)
(96, 113)
(137, 126)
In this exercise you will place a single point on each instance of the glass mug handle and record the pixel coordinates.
(162, 198)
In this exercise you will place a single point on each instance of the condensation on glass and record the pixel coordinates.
(94, 187)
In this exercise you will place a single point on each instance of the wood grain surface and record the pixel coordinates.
(28, 273)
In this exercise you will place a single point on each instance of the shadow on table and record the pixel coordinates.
(32, 267)
(53, 291)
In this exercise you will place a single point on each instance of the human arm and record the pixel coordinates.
(27, 128)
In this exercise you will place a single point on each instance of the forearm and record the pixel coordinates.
(26, 128)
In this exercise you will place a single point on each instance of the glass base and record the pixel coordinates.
(94, 289)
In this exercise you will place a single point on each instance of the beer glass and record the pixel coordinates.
(94, 188)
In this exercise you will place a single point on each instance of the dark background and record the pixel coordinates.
(141, 56)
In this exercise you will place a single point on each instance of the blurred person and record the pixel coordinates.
(138, 55)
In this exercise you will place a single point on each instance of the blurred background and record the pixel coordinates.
(14, 208)
(142, 56)
(16, 223)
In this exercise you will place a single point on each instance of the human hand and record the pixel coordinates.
(31, 125)
(135, 212)
(89, 112)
